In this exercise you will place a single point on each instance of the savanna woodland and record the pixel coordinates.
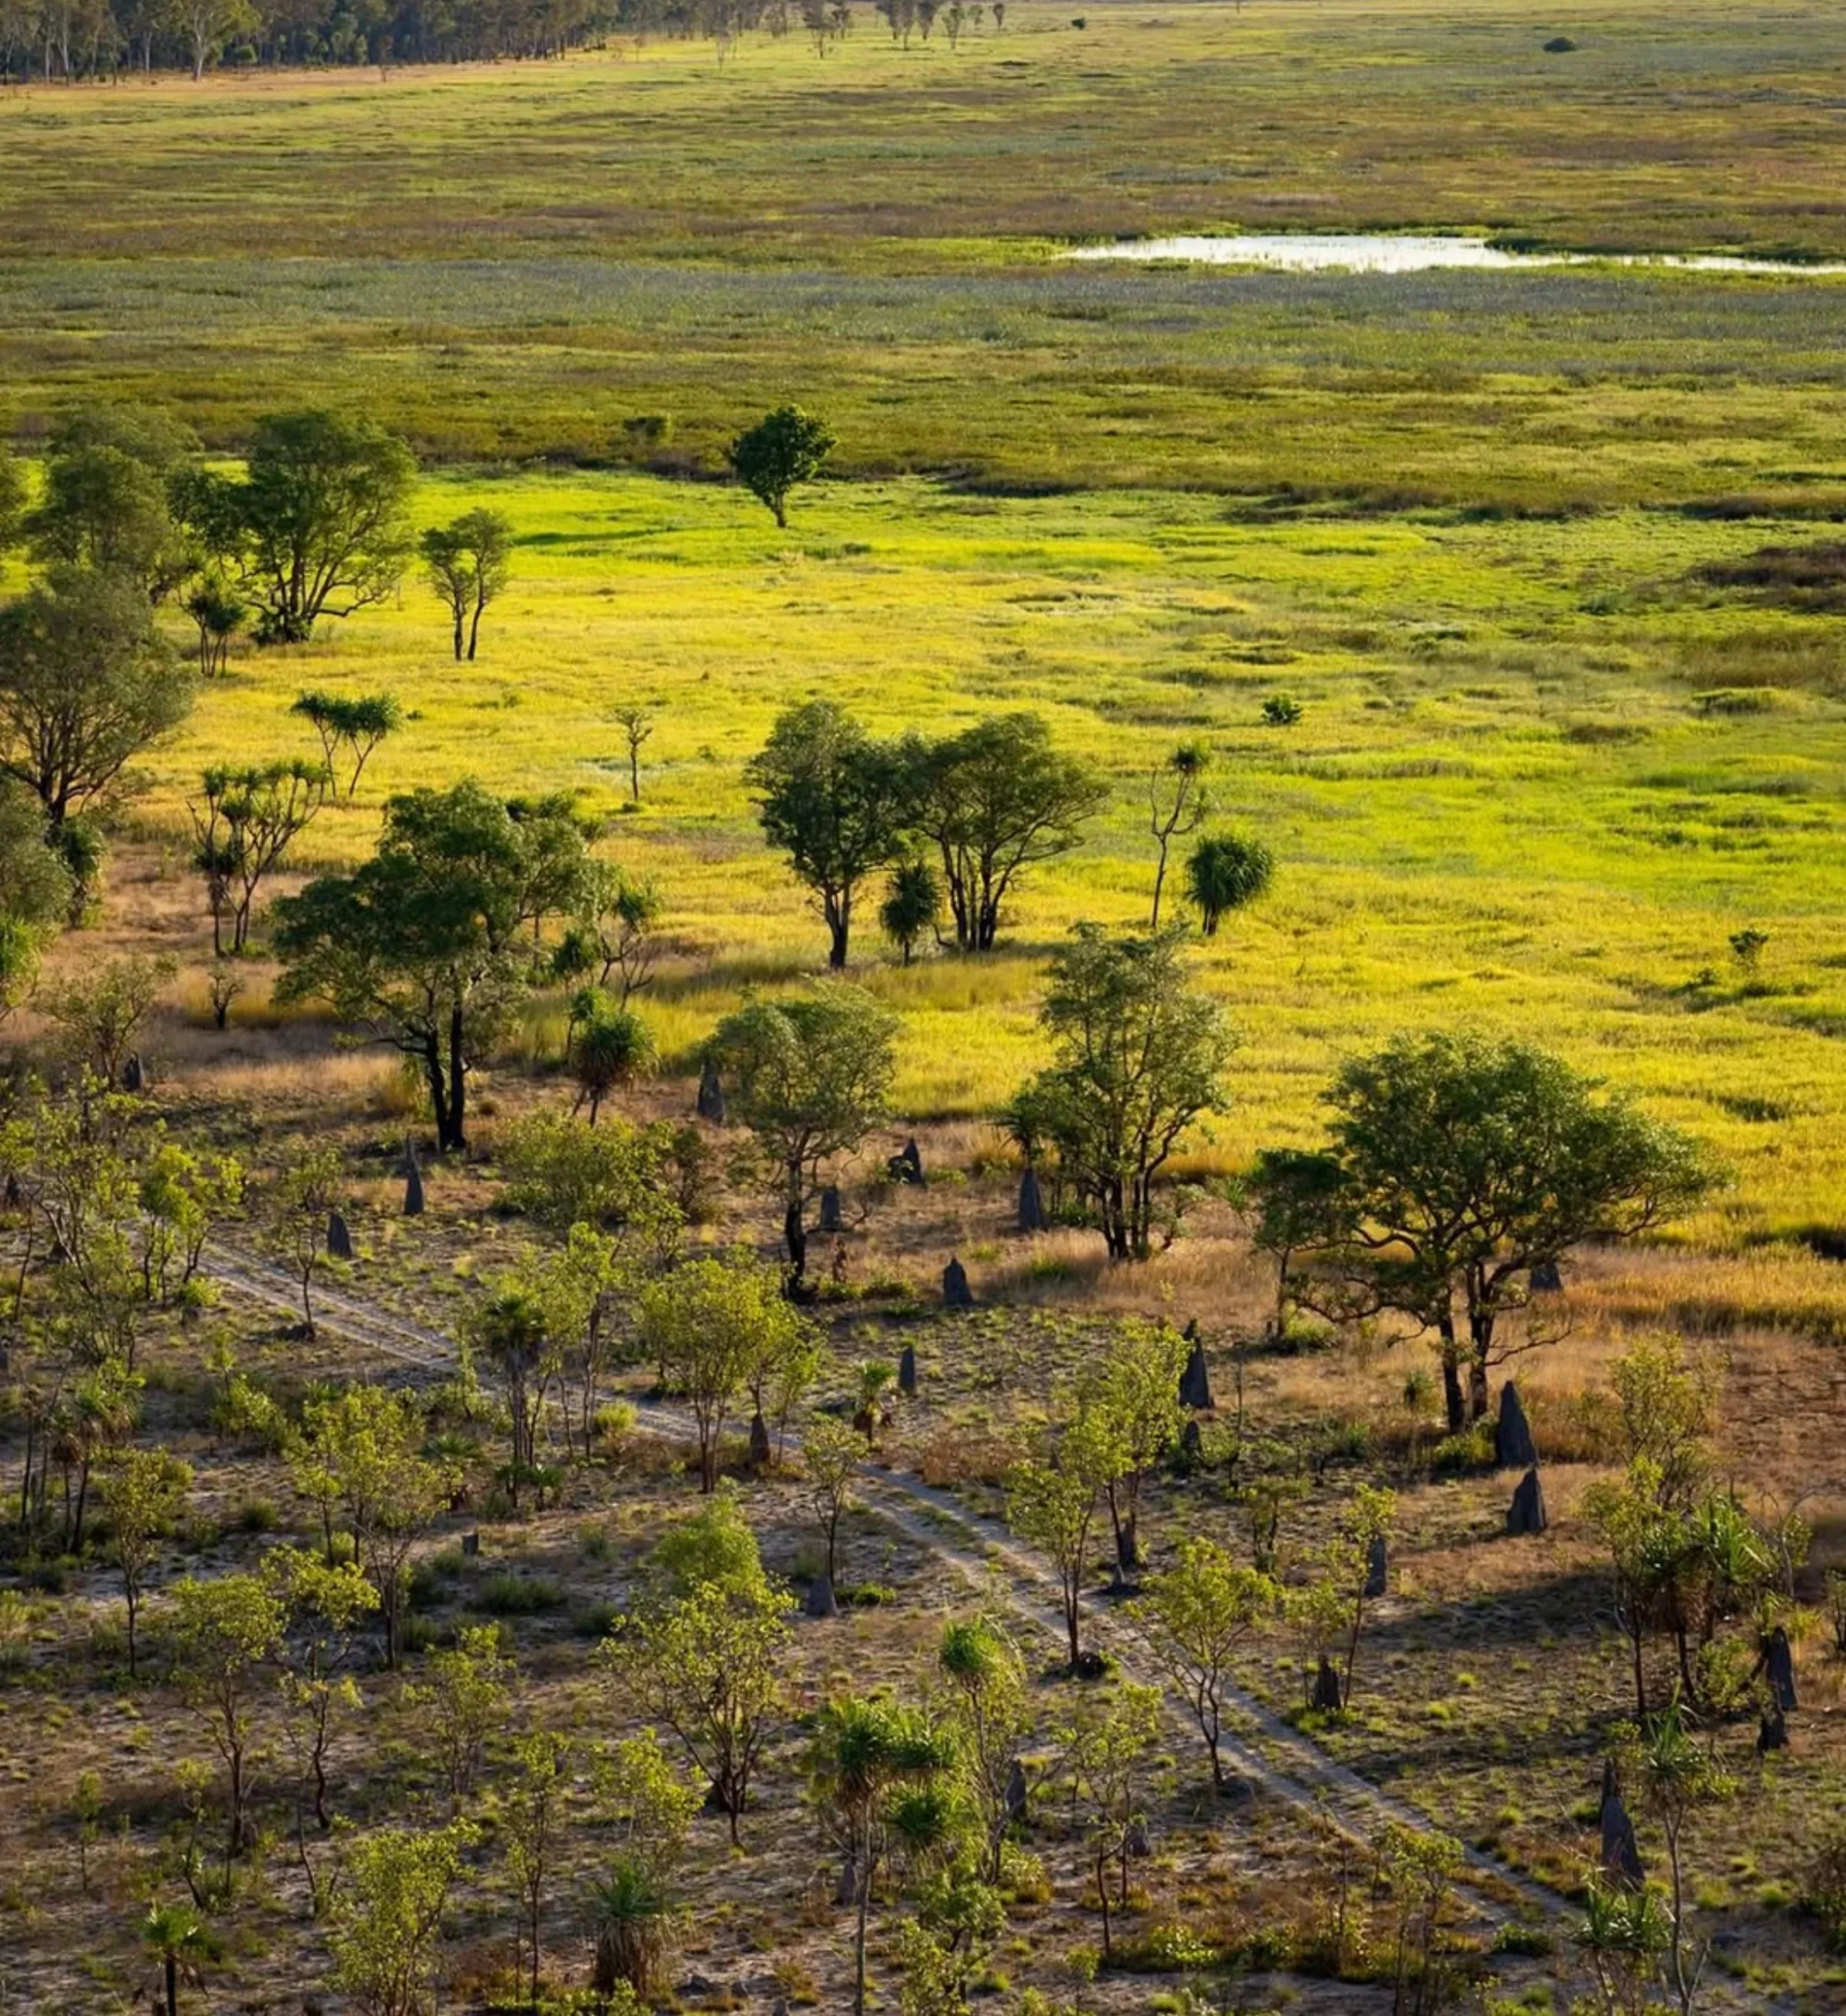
(922, 1007)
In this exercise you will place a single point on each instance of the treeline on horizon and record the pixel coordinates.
(70, 41)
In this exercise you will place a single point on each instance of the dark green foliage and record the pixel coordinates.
(785, 448)
(1224, 872)
(912, 904)
(85, 685)
(467, 562)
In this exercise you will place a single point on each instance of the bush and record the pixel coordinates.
(1471, 1450)
(1825, 1893)
(518, 1596)
(1281, 710)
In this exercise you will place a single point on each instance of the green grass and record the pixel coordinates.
(1499, 808)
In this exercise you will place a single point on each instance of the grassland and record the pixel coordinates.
(1560, 740)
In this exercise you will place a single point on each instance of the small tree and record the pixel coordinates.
(1133, 1395)
(712, 1325)
(531, 1819)
(831, 1451)
(811, 1077)
(1674, 1776)
(610, 1047)
(309, 1192)
(511, 1331)
(143, 1493)
(357, 723)
(1422, 1867)
(834, 802)
(225, 1632)
(387, 1914)
(179, 1938)
(1138, 1056)
(616, 932)
(880, 1774)
(1110, 1754)
(466, 1697)
(1051, 1504)
(245, 820)
(220, 614)
(468, 562)
(325, 1602)
(1456, 1166)
(1223, 873)
(912, 904)
(1178, 803)
(701, 1655)
(1196, 1617)
(635, 721)
(785, 448)
(984, 1692)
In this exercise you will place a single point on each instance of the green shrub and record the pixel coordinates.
(506, 1594)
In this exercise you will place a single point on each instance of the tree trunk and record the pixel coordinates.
(454, 1134)
(795, 1237)
(171, 1970)
(457, 633)
(1454, 1404)
(474, 630)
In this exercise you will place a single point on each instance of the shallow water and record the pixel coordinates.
(1384, 252)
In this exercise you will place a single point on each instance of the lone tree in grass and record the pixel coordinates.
(1178, 803)
(356, 723)
(1223, 873)
(143, 1493)
(468, 562)
(1139, 1055)
(610, 1047)
(811, 1077)
(785, 448)
(427, 943)
(86, 685)
(316, 526)
(246, 821)
(993, 800)
(912, 902)
(834, 801)
(1455, 1165)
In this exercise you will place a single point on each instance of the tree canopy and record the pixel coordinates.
(785, 448)
(1454, 1166)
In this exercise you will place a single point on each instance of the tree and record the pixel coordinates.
(208, 25)
(636, 723)
(105, 509)
(879, 1772)
(1422, 1866)
(86, 685)
(1456, 1165)
(1109, 1757)
(362, 1451)
(1051, 1505)
(511, 1331)
(97, 1016)
(1133, 1394)
(1674, 1776)
(177, 1937)
(530, 1819)
(617, 930)
(220, 614)
(811, 1074)
(468, 562)
(635, 1916)
(563, 1171)
(715, 1327)
(1178, 803)
(1195, 1617)
(317, 525)
(387, 1915)
(309, 1192)
(912, 904)
(834, 801)
(34, 893)
(226, 1631)
(1223, 873)
(357, 723)
(831, 1451)
(984, 1690)
(1139, 1055)
(245, 820)
(422, 943)
(994, 800)
(609, 1047)
(326, 1602)
(700, 1654)
(467, 1695)
(144, 1492)
(785, 448)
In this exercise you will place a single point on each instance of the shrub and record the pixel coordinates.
(1825, 1893)
(1281, 710)
(518, 1596)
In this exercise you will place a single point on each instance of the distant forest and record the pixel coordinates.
(101, 40)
